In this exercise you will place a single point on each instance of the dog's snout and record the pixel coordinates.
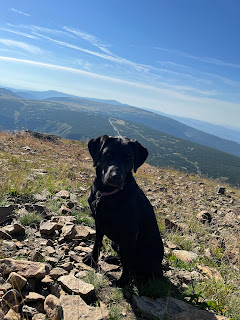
(116, 176)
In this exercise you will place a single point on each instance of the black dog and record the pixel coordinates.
(120, 208)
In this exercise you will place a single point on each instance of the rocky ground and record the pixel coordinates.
(46, 229)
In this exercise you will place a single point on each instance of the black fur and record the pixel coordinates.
(126, 216)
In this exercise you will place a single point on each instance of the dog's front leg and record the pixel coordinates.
(92, 258)
(128, 259)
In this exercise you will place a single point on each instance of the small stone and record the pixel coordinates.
(10, 299)
(27, 269)
(53, 308)
(212, 273)
(14, 228)
(17, 281)
(55, 273)
(83, 311)
(65, 211)
(204, 217)
(185, 256)
(77, 286)
(48, 227)
(12, 315)
(34, 296)
(63, 194)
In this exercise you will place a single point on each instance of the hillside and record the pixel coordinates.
(46, 229)
(73, 121)
(154, 120)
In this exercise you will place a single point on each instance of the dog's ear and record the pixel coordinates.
(140, 155)
(95, 147)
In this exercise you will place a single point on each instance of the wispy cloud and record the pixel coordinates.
(201, 59)
(90, 38)
(21, 45)
(104, 56)
(19, 33)
(20, 12)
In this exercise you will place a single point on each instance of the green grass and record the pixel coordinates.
(30, 218)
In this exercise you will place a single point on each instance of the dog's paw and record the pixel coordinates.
(89, 260)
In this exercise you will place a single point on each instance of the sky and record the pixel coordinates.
(180, 57)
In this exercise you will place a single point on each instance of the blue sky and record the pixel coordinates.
(180, 57)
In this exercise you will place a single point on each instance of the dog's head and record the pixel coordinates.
(116, 157)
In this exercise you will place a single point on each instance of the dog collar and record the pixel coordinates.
(104, 194)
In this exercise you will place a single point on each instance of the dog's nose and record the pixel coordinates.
(115, 176)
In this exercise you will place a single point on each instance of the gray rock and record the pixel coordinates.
(172, 309)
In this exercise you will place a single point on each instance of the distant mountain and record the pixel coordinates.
(70, 119)
(213, 129)
(216, 130)
(153, 120)
(40, 95)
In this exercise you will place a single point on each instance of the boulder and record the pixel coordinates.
(172, 309)
(185, 256)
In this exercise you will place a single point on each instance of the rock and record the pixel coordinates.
(79, 232)
(220, 189)
(12, 315)
(185, 256)
(77, 286)
(63, 194)
(27, 269)
(4, 235)
(14, 228)
(55, 273)
(17, 281)
(62, 220)
(4, 286)
(65, 211)
(35, 255)
(172, 309)
(48, 227)
(74, 308)
(176, 225)
(212, 273)
(9, 245)
(10, 299)
(28, 311)
(6, 213)
(53, 308)
(106, 267)
(34, 296)
(204, 217)
(39, 316)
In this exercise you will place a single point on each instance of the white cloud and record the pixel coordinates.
(90, 38)
(21, 45)
(19, 33)
(201, 59)
(20, 12)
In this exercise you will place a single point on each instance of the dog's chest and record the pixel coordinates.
(112, 215)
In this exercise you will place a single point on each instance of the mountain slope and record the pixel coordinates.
(72, 122)
(155, 121)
